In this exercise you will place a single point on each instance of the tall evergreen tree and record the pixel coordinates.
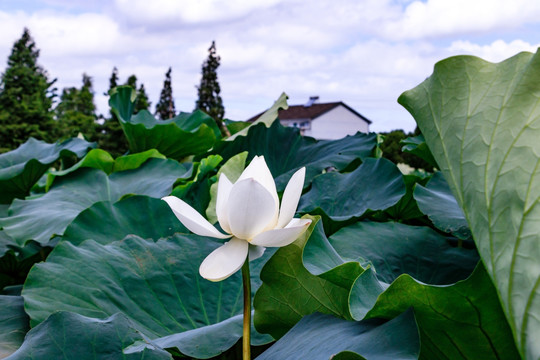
(165, 106)
(111, 136)
(26, 97)
(143, 102)
(76, 112)
(208, 91)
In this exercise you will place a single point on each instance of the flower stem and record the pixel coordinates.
(246, 339)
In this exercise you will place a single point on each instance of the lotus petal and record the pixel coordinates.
(259, 171)
(224, 189)
(225, 260)
(251, 209)
(291, 196)
(191, 219)
(282, 237)
(255, 252)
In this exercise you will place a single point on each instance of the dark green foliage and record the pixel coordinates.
(208, 91)
(76, 112)
(391, 148)
(25, 97)
(165, 106)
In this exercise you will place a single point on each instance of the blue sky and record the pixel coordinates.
(362, 52)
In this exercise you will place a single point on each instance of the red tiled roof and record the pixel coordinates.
(309, 112)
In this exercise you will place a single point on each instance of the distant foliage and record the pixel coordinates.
(208, 91)
(391, 148)
(165, 106)
(76, 112)
(26, 97)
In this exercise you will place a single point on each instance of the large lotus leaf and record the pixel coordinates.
(14, 324)
(377, 184)
(293, 286)
(16, 263)
(100, 159)
(139, 215)
(396, 249)
(461, 321)
(21, 168)
(416, 145)
(320, 337)
(267, 118)
(290, 291)
(184, 135)
(437, 202)
(407, 208)
(50, 214)
(196, 191)
(206, 341)
(155, 284)
(285, 151)
(5, 242)
(482, 124)
(70, 336)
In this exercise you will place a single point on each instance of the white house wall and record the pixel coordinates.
(336, 123)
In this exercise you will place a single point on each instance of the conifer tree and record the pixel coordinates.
(143, 102)
(26, 97)
(208, 91)
(76, 112)
(165, 106)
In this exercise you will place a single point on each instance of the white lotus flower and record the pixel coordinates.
(249, 212)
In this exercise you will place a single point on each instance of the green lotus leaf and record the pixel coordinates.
(139, 215)
(14, 324)
(416, 145)
(50, 214)
(16, 262)
(70, 336)
(396, 249)
(184, 135)
(406, 208)
(21, 168)
(320, 337)
(267, 118)
(309, 276)
(285, 151)
(290, 291)
(236, 126)
(5, 242)
(155, 284)
(482, 124)
(100, 159)
(461, 321)
(437, 202)
(377, 184)
(206, 341)
(196, 190)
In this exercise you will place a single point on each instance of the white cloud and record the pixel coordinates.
(365, 53)
(436, 18)
(173, 12)
(494, 52)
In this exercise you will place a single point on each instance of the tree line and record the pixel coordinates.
(28, 108)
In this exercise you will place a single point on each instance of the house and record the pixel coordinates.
(323, 120)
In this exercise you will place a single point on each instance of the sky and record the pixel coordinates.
(362, 52)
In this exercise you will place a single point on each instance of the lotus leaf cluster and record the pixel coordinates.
(349, 257)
